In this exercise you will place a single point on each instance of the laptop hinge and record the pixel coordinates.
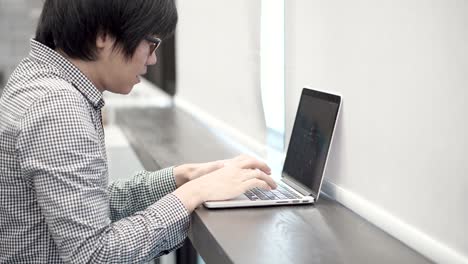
(298, 186)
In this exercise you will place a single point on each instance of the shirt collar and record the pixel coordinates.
(69, 72)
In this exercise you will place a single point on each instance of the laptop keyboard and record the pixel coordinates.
(280, 193)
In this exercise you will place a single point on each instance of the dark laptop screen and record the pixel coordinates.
(311, 138)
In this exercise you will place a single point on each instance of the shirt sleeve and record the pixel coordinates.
(143, 189)
(60, 151)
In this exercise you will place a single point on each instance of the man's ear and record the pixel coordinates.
(104, 41)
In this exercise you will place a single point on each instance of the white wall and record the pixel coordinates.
(402, 68)
(218, 62)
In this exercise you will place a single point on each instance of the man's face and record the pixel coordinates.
(119, 74)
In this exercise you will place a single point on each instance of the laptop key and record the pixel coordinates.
(251, 195)
(279, 194)
(264, 194)
(287, 192)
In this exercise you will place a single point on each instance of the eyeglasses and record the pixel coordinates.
(154, 44)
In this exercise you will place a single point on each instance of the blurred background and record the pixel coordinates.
(17, 24)
(240, 65)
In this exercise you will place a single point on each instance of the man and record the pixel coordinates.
(55, 202)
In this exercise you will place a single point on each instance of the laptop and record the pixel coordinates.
(306, 158)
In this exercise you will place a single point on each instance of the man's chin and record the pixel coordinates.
(122, 90)
(128, 90)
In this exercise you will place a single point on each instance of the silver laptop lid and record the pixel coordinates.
(311, 139)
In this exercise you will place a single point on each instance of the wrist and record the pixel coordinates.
(182, 174)
(191, 195)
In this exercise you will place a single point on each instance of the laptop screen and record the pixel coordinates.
(311, 137)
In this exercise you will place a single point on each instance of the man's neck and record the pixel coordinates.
(90, 69)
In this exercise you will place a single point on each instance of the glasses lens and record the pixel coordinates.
(153, 47)
(158, 42)
(154, 44)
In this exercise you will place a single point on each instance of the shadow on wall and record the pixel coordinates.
(334, 171)
(2, 82)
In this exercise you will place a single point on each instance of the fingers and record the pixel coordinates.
(205, 168)
(247, 162)
(255, 164)
(215, 165)
(255, 183)
(257, 174)
(241, 157)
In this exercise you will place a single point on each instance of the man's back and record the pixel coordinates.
(55, 202)
(22, 225)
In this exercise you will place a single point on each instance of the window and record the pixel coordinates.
(272, 70)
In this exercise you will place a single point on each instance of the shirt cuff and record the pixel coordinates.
(175, 217)
(162, 182)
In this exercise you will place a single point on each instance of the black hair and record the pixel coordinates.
(73, 25)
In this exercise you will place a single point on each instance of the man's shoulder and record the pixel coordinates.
(34, 73)
(33, 81)
(33, 77)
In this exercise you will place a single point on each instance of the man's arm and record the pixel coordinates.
(142, 190)
(61, 153)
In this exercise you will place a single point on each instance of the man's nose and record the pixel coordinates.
(152, 59)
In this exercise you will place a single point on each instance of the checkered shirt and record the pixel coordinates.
(55, 202)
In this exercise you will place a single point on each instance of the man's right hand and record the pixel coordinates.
(236, 177)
